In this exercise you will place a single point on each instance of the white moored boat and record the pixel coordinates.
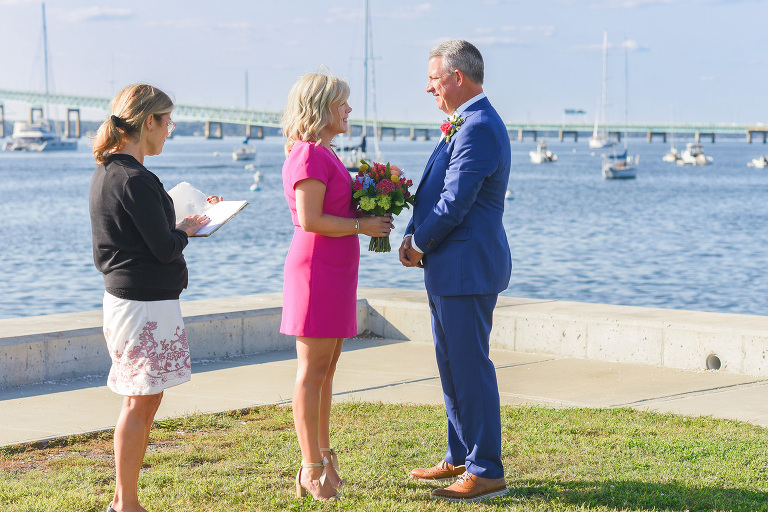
(38, 136)
(623, 166)
(693, 154)
(41, 135)
(542, 154)
(599, 138)
(759, 163)
(244, 153)
(672, 156)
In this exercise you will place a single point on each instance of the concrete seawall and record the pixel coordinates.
(67, 346)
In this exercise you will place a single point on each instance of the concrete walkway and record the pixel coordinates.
(388, 371)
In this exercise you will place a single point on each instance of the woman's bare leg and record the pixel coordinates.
(314, 356)
(131, 438)
(326, 399)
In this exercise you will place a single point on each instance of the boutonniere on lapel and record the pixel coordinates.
(451, 126)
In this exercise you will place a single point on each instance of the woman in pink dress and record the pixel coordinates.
(320, 284)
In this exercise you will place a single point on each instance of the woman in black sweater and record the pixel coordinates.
(137, 246)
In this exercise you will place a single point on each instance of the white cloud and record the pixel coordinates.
(18, 2)
(634, 46)
(497, 41)
(97, 14)
(630, 45)
(337, 14)
(707, 78)
(483, 30)
(545, 30)
(411, 12)
(203, 25)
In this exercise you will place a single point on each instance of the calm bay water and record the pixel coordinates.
(681, 238)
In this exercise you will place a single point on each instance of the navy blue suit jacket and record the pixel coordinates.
(457, 218)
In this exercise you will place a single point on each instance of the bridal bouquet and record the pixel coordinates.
(380, 189)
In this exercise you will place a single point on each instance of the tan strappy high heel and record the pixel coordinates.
(301, 491)
(334, 460)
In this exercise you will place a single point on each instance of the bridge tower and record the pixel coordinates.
(213, 130)
(249, 131)
(67, 132)
(32, 111)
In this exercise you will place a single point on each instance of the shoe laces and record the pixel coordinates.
(464, 477)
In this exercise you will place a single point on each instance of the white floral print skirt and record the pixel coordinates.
(148, 345)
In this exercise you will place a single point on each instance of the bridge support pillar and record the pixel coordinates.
(2, 121)
(575, 134)
(617, 134)
(424, 131)
(699, 134)
(652, 133)
(352, 130)
(749, 134)
(382, 129)
(249, 132)
(32, 111)
(213, 130)
(521, 133)
(67, 131)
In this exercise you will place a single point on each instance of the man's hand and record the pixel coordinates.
(409, 256)
(414, 257)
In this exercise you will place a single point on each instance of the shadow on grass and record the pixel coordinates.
(634, 495)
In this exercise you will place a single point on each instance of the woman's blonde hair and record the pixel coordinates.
(130, 108)
(309, 108)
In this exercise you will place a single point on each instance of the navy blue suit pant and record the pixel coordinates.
(461, 327)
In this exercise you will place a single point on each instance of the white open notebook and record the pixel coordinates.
(187, 200)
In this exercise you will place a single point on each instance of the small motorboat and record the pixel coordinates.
(693, 154)
(244, 153)
(672, 156)
(542, 154)
(759, 163)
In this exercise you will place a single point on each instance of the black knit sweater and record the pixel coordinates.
(136, 245)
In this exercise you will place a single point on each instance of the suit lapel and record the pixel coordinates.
(436, 152)
(471, 110)
(428, 168)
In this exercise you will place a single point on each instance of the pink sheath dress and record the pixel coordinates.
(320, 283)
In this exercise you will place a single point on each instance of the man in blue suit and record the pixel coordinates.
(456, 235)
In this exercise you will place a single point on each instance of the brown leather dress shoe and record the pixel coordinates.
(469, 487)
(443, 472)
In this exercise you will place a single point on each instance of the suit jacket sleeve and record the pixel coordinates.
(474, 157)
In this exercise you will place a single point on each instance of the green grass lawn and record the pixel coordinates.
(555, 459)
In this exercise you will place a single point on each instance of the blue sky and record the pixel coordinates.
(690, 61)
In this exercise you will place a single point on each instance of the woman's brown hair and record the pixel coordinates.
(130, 108)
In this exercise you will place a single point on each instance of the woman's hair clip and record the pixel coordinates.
(120, 123)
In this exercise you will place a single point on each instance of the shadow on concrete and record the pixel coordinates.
(52, 387)
(198, 366)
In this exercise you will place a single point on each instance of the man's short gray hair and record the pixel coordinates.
(461, 55)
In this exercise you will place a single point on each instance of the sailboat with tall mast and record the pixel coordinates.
(599, 138)
(245, 152)
(359, 152)
(623, 166)
(41, 135)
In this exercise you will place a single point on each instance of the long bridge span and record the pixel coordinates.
(255, 120)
